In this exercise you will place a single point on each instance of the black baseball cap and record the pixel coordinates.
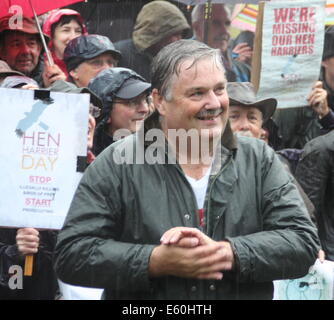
(88, 47)
(132, 88)
(117, 82)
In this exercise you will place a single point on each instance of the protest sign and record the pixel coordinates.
(44, 143)
(288, 50)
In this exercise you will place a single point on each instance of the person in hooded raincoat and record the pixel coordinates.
(62, 26)
(158, 24)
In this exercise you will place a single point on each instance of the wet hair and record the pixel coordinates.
(64, 20)
(166, 64)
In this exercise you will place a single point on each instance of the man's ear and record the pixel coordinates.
(324, 63)
(197, 30)
(158, 102)
(74, 74)
(40, 45)
(109, 119)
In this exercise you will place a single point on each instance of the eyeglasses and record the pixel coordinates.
(100, 62)
(94, 111)
(135, 102)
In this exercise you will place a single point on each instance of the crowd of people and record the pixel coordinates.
(255, 206)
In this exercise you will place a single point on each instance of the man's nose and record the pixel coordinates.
(212, 101)
(106, 65)
(224, 29)
(111, 63)
(142, 106)
(24, 48)
(244, 124)
(73, 34)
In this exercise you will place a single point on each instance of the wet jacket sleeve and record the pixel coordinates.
(89, 251)
(288, 243)
(313, 172)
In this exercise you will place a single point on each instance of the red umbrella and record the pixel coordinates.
(40, 6)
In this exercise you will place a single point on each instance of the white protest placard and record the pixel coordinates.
(292, 46)
(42, 144)
(318, 284)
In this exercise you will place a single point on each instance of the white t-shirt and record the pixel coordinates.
(199, 187)
(70, 292)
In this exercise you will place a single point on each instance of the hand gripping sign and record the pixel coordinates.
(288, 50)
(44, 142)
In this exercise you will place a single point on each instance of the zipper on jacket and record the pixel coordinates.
(178, 167)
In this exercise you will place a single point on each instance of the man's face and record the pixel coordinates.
(128, 114)
(90, 133)
(328, 64)
(165, 41)
(89, 69)
(218, 26)
(198, 99)
(246, 121)
(21, 51)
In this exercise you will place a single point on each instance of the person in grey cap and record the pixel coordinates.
(247, 113)
(87, 55)
(10, 78)
(125, 97)
(19, 82)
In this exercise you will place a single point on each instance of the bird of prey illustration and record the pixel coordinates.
(32, 117)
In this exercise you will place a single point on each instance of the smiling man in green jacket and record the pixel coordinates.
(237, 217)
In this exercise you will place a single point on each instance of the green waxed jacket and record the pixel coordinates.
(120, 211)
